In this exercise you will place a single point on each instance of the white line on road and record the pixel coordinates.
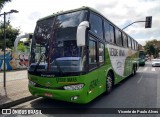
(140, 79)
(145, 69)
(139, 69)
(153, 69)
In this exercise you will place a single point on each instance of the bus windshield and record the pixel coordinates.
(54, 45)
(141, 55)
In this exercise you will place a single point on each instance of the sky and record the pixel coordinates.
(120, 12)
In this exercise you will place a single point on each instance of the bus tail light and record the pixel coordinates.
(74, 87)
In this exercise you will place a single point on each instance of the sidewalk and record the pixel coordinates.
(16, 90)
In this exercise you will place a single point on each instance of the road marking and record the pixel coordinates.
(139, 69)
(140, 79)
(145, 69)
(153, 69)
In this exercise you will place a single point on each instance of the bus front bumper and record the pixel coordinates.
(74, 96)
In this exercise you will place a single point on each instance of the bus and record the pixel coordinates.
(142, 57)
(78, 55)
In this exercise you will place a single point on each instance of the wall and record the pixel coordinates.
(14, 61)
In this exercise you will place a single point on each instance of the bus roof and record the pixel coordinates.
(83, 8)
(63, 12)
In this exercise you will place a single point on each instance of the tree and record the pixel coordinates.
(11, 34)
(21, 46)
(2, 3)
(152, 47)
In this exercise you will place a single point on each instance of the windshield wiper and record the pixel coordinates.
(55, 61)
(42, 55)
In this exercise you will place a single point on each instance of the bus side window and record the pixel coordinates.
(129, 42)
(136, 45)
(101, 53)
(92, 54)
(107, 32)
(112, 34)
(118, 37)
(96, 25)
(125, 44)
(133, 45)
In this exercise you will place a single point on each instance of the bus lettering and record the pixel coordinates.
(66, 80)
(113, 52)
(60, 80)
(71, 79)
(121, 53)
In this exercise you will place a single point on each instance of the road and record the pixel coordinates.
(139, 91)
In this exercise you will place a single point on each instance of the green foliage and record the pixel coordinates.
(21, 46)
(152, 47)
(2, 3)
(11, 34)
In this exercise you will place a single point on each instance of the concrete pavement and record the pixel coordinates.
(13, 75)
(16, 90)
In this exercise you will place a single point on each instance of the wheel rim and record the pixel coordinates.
(109, 83)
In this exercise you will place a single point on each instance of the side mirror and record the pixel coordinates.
(81, 33)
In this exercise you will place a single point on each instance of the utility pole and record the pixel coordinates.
(4, 64)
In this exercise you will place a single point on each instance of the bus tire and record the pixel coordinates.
(109, 82)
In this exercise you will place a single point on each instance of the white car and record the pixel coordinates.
(156, 62)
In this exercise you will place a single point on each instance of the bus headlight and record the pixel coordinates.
(74, 87)
(32, 83)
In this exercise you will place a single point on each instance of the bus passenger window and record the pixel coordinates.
(96, 25)
(112, 34)
(107, 32)
(101, 53)
(133, 44)
(125, 42)
(92, 54)
(118, 37)
(129, 42)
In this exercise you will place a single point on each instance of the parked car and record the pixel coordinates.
(156, 62)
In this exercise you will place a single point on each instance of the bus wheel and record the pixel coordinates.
(109, 83)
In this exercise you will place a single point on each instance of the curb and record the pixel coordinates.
(17, 102)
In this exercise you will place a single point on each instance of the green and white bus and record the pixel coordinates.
(79, 54)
